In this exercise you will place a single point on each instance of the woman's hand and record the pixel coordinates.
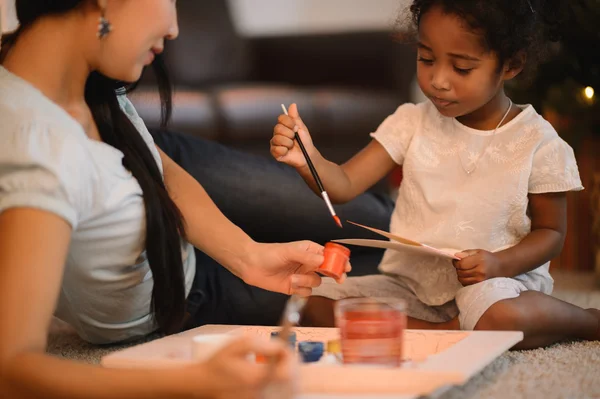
(288, 268)
(230, 374)
(476, 265)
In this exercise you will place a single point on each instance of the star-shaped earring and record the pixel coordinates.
(104, 27)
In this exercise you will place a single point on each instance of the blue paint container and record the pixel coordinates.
(311, 351)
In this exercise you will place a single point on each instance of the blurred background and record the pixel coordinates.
(236, 61)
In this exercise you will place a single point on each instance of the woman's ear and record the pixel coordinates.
(514, 66)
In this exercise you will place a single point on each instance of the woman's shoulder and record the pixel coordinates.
(39, 139)
(26, 112)
(129, 109)
(33, 133)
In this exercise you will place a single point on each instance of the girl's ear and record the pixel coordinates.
(514, 66)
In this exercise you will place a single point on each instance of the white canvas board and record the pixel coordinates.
(435, 361)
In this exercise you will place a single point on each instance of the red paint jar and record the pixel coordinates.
(336, 258)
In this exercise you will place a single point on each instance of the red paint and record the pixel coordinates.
(336, 258)
(371, 332)
(262, 359)
(338, 221)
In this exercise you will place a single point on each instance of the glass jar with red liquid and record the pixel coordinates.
(371, 331)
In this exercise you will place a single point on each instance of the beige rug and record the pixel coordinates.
(567, 370)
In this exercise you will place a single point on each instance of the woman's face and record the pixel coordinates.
(139, 31)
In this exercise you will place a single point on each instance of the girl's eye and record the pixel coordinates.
(425, 61)
(462, 71)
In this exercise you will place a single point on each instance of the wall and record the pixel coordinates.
(292, 17)
(8, 20)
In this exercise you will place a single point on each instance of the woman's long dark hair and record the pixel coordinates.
(164, 223)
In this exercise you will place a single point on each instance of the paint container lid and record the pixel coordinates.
(311, 351)
(291, 337)
(334, 346)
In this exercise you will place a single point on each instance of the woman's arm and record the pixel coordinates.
(269, 266)
(206, 226)
(33, 248)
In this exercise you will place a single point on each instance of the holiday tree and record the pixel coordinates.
(566, 88)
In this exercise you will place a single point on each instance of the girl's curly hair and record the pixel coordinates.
(508, 28)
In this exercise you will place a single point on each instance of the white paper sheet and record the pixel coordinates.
(398, 243)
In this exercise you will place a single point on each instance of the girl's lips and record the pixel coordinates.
(440, 102)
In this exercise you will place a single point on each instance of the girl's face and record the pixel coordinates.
(454, 70)
(140, 28)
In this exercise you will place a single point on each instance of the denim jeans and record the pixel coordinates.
(271, 203)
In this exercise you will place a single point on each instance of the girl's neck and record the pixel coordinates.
(488, 116)
(49, 55)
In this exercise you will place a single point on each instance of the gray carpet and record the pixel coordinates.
(566, 370)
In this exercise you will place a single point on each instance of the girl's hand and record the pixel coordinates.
(476, 265)
(230, 373)
(288, 268)
(284, 147)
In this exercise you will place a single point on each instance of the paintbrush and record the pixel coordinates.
(315, 175)
(290, 318)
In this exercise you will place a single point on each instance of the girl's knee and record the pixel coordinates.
(318, 312)
(489, 305)
(501, 316)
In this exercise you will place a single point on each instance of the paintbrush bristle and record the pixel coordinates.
(338, 221)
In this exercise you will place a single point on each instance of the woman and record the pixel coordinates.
(98, 224)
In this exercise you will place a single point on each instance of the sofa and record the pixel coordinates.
(229, 88)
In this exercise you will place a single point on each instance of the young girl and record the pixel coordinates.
(97, 223)
(482, 176)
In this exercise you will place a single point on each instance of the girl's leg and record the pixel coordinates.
(319, 312)
(510, 305)
(543, 319)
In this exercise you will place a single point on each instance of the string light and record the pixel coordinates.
(588, 92)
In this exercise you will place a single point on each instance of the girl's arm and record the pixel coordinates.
(342, 183)
(345, 182)
(548, 230)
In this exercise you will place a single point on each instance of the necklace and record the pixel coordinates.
(469, 171)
